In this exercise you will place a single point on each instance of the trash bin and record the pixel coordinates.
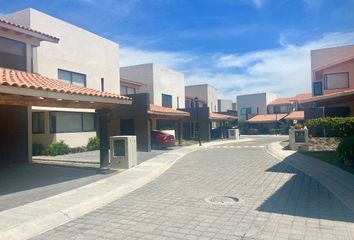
(123, 153)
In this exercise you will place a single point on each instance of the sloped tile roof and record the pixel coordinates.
(287, 101)
(159, 110)
(281, 101)
(267, 118)
(221, 117)
(296, 115)
(20, 27)
(20, 79)
(301, 96)
(329, 96)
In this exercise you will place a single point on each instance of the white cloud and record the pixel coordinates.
(284, 70)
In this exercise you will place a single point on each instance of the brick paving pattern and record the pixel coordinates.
(276, 202)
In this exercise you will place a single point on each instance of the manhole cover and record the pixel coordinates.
(221, 200)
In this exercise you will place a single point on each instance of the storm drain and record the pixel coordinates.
(221, 200)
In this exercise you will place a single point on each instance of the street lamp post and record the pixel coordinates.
(196, 102)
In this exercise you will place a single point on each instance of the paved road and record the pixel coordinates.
(276, 202)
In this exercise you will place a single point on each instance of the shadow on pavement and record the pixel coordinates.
(303, 196)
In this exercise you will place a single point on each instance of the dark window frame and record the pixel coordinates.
(53, 121)
(71, 76)
(42, 125)
(315, 93)
(168, 98)
(326, 80)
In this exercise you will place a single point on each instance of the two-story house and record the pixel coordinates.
(332, 81)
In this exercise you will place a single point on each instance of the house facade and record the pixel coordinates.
(80, 58)
(253, 104)
(332, 81)
(165, 86)
(205, 93)
(225, 105)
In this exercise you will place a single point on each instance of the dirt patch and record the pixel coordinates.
(323, 143)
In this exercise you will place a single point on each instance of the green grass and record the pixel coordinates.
(330, 157)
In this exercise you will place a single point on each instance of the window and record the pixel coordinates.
(12, 54)
(64, 122)
(72, 77)
(280, 109)
(337, 80)
(127, 90)
(166, 100)
(38, 122)
(317, 88)
(102, 84)
(246, 111)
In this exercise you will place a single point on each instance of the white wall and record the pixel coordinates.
(255, 101)
(204, 92)
(158, 80)
(78, 50)
(224, 105)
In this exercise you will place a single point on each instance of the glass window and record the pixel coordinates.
(72, 77)
(38, 122)
(166, 100)
(64, 122)
(317, 88)
(88, 122)
(337, 80)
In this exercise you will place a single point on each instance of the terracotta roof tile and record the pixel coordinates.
(296, 115)
(287, 101)
(28, 29)
(155, 109)
(267, 118)
(221, 117)
(301, 96)
(281, 101)
(329, 96)
(20, 79)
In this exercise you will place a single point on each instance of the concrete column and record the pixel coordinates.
(28, 57)
(179, 128)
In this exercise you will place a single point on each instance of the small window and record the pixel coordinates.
(166, 100)
(66, 122)
(337, 80)
(127, 90)
(72, 77)
(317, 88)
(38, 122)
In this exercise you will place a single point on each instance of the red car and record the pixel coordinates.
(160, 139)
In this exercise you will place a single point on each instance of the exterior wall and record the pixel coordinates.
(284, 108)
(78, 50)
(328, 56)
(224, 105)
(157, 80)
(347, 66)
(257, 101)
(204, 92)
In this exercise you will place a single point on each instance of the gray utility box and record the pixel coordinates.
(123, 152)
(299, 139)
(234, 133)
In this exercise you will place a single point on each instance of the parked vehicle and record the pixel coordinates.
(160, 139)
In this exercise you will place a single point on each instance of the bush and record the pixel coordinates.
(37, 149)
(331, 127)
(345, 149)
(78, 149)
(93, 144)
(58, 148)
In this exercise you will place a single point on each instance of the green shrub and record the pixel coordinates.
(58, 148)
(93, 144)
(331, 127)
(345, 148)
(37, 149)
(78, 149)
(243, 126)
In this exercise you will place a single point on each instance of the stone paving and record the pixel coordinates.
(276, 202)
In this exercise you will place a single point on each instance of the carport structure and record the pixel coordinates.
(140, 119)
(20, 90)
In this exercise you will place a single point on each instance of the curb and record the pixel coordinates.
(35, 218)
(336, 180)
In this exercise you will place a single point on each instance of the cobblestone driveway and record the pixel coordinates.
(277, 202)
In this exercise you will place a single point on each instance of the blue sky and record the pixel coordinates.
(239, 46)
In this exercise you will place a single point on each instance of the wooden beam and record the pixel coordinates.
(7, 99)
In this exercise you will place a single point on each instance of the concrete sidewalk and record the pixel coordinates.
(338, 181)
(34, 218)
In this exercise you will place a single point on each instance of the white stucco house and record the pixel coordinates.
(80, 58)
(205, 93)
